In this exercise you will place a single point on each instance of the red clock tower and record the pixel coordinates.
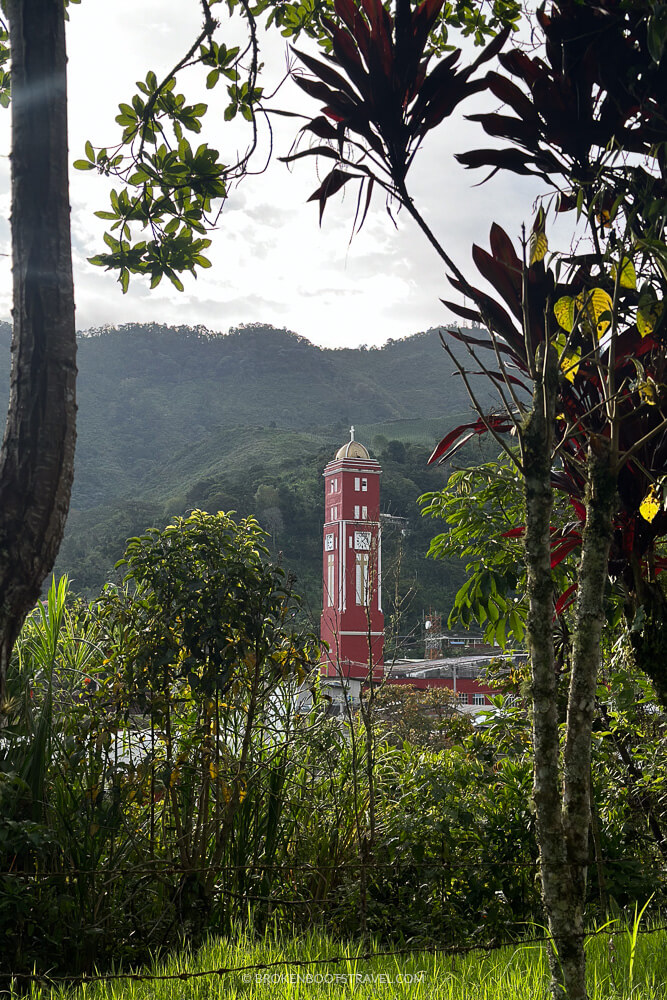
(352, 620)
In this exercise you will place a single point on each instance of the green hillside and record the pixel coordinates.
(176, 418)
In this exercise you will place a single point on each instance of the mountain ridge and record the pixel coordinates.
(176, 417)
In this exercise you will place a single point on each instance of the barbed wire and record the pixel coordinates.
(316, 869)
(490, 946)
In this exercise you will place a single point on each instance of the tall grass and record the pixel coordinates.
(618, 969)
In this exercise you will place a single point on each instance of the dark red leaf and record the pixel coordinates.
(563, 548)
(514, 532)
(332, 183)
(311, 151)
(448, 446)
(369, 193)
(465, 313)
(500, 159)
(503, 249)
(381, 34)
(326, 73)
(504, 127)
(347, 11)
(565, 599)
(579, 508)
(322, 128)
(423, 20)
(504, 279)
(519, 64)
(510, 94)
(660, 565)
(492, 49)
(444, 103)
(316, 89)
(503, 378)
(346, 49)
(466, 338)
(492, 313)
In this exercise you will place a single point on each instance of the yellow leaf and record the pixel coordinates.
(650, 505)
(93, 828)
(569, 364)
(649, 312)
(628, 277)
(564, 313)
(213, 770)
(595, 307)
(648, 392)
(174, 776)
(538, 246)
(569, 359)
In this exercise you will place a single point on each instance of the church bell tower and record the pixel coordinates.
(352, 621)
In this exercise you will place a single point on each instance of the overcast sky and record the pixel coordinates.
(272, 263)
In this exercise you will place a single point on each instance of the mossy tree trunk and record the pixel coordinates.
(37, 457)
(562, 794)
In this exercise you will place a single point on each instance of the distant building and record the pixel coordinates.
(461, 674)
(352, 624)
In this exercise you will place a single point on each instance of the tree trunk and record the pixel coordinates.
(589, 619)
(37, 457)
(563, 807)
(537, 453)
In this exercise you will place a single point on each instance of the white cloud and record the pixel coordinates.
(271, 261)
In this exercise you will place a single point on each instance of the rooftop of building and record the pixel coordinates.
(352, 449)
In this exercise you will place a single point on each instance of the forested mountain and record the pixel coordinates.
(175, 418)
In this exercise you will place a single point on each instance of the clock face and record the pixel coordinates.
(362, 539)
(328, 543)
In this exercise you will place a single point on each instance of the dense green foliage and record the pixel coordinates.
(160, 780)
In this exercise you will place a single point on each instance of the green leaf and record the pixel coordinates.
(83, 165)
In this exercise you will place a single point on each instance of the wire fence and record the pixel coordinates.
(315, 868)
(337, 959)
(511, 935)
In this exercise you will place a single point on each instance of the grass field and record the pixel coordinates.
(620, 966)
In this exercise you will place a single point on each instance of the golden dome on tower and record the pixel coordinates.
(353, 449)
